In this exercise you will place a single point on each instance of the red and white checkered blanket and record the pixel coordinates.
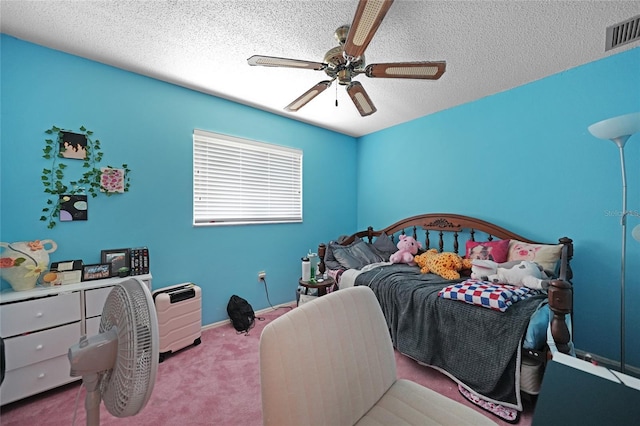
(487, 294)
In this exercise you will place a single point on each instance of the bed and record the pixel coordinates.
(492, 354)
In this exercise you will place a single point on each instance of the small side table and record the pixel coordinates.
(322, 285)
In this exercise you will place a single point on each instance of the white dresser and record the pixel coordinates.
(38, 327)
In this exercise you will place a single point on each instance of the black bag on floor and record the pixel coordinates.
(241, 314)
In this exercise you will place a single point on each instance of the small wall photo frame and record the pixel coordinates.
(112, 180)
(96, 271)
(73, 145)
(73, 207)
(117, 258)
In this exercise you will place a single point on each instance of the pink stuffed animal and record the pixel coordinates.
(407, 248)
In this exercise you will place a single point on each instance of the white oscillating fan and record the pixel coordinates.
(119, 364)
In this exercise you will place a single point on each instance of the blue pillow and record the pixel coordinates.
(536, 336)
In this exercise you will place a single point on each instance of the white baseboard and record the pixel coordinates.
(258, 313)
(630, 369)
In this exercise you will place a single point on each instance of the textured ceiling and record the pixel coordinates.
(489, 46)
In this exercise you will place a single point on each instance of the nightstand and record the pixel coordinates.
(322, 284)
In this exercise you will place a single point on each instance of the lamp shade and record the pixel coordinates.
(617, 127)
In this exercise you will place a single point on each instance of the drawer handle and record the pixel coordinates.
(39, 315)
(41, 376)
(39, 347)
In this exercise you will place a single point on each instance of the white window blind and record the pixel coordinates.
(239, 181)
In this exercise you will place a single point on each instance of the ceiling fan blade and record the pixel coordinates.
(272, 61)
(424, 70)
(366, 21)
(360, 99)
(308, 96)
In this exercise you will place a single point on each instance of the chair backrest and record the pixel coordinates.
(326, 362)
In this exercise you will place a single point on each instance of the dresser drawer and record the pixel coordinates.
(39, 314)
(35, 347)
(94, 301)
(35, 378)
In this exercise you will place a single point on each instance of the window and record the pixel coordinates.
(239, 181)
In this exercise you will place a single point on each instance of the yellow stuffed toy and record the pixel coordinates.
(445, 264)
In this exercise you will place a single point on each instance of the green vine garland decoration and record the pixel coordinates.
(53, 178)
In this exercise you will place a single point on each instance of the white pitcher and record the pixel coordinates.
(22, 263)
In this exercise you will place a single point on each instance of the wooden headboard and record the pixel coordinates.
(443, 230)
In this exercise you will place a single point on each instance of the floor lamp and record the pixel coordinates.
(619, 130)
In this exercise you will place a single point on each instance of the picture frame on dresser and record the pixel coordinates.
(117, 258)
(96, 271)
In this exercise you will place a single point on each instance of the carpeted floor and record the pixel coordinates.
(215, 383)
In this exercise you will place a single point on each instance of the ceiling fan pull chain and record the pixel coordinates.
(336, 95)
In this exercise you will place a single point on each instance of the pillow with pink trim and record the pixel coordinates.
(488, 250)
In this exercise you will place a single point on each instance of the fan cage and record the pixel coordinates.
(126, 388)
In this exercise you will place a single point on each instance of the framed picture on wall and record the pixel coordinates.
(73, 207)
(112, 180)
(97, 271)
(117, 258)
(73, 145)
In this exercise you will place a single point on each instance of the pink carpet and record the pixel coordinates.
(215, 383)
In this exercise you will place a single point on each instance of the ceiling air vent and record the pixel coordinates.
(623, 33)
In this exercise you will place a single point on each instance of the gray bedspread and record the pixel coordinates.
(477, 346)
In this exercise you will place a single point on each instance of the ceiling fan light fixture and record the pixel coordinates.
(368, 17)
(344, 76)
(307, 96)
(360, 99)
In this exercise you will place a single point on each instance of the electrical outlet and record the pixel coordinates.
(262, 275)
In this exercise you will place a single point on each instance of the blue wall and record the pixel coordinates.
(148, 125)
(525, 160)
(522, 159)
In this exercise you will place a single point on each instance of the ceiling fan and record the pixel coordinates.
(347, 60)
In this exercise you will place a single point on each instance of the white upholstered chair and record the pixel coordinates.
(331, 362)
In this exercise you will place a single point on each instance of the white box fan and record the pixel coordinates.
(119, 365)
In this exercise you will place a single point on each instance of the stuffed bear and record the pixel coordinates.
(407, 248)
(445, 264)
(518, 273)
